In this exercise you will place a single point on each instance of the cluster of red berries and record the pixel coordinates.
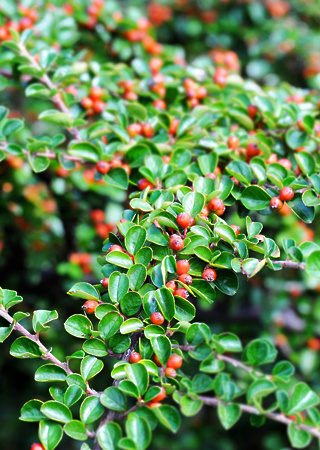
(30, 16)
(93, 103)
(93, 12)
(128, 92)
(157, 83)
(103, 229)
(103, 167)
(145, 129)
(140, 34)
(194, 92)
(286, 194)
(81, 259)
(174, 363)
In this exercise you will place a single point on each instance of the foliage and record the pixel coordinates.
(194, 160)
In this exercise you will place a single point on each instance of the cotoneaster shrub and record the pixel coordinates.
(199, 157)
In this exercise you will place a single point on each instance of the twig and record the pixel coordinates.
(291, 264)
(212, 401)
(35, 338)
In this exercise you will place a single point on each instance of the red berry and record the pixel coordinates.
(135, 357)
(144, 183)
(201, 92)
(209, 275)
(157, 318)
(185, 278)
(205, 211)
(161, 396)
(183, 266)
(170, 372)
(86, 102)
(147, 130)
(130, 95)
(286, 163)
(276, 203)
(37, 446)
(192, 222)
(252, 150)
(105, 282)
(175, 361)
(181, 292)
(90, 306)
(174, 126)
(154, 404)
(172, 285)
(252, 110)
(133, 130)
(216, 204)
(236, 229)
(98, 106)
(286, 194)
(155, 64)
(314, 344)
(233, 142)
(115, 162)
(159, 104)
(96, 93)
(116, 248)
(183, 220)
(176, 243)
(103, 167)
(97, 215)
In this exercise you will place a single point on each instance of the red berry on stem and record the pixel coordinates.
(96, 93)
(155, 64)
(185, 278)
(144, 183)
(276, 203)
(181, 292)
(175, 361)
(135, 357)
(217, 206)
(286, 194)
(116, 248)
(171, 285)
(170, 372)
(90, 306)
(103, 167)
(183, 220)
(105, 282)
(209, 275)
(183, 266)
(233, 142)
(147, 130)
(157, 318)
(176, 243)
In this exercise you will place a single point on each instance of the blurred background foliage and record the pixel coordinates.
(50, 230)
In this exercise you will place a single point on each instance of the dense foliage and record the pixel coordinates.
(194, 180)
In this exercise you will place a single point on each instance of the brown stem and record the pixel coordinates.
(291, 264)
(47, 355)
(212, 401)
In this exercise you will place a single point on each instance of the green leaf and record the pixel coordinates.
(302, 398)
(90, 409)
(117, 178)
(38, 163)
(227, 342)
(76, 430)
(57, 117)
(204, 290)
(50, 372)
(56, 411)
(119, 259)
(184, 310)
(258, 352)
(85, 291)
(225, 232)
(298, 438)
(313, 264)
(190, 406)
(41, 318)
(135, 239)
(79, 326)
(95, 347)
(255, 198)
(193, 203)
(118, 286)
(165, 301)
(138, 429)
(110, 324)
(11, 126)
(24, 347)
(162, 347)
(138, 374)
(241, 116)
(137, 275)
(295, 138)
(72, 395)
(185, 123)
(113, 398)
(131, 325)
(130, 303)
(50, 434)
(226, 281)
(306, 162)
(240, 170)
(169, 417)
(283, 371)
(109, 436)
(259, 389)
(303, 212)
(228, 414)
(137, 111)
(30, 412)
(90, 367)
(119, 343)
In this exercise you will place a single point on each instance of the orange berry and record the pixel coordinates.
(175, 361)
